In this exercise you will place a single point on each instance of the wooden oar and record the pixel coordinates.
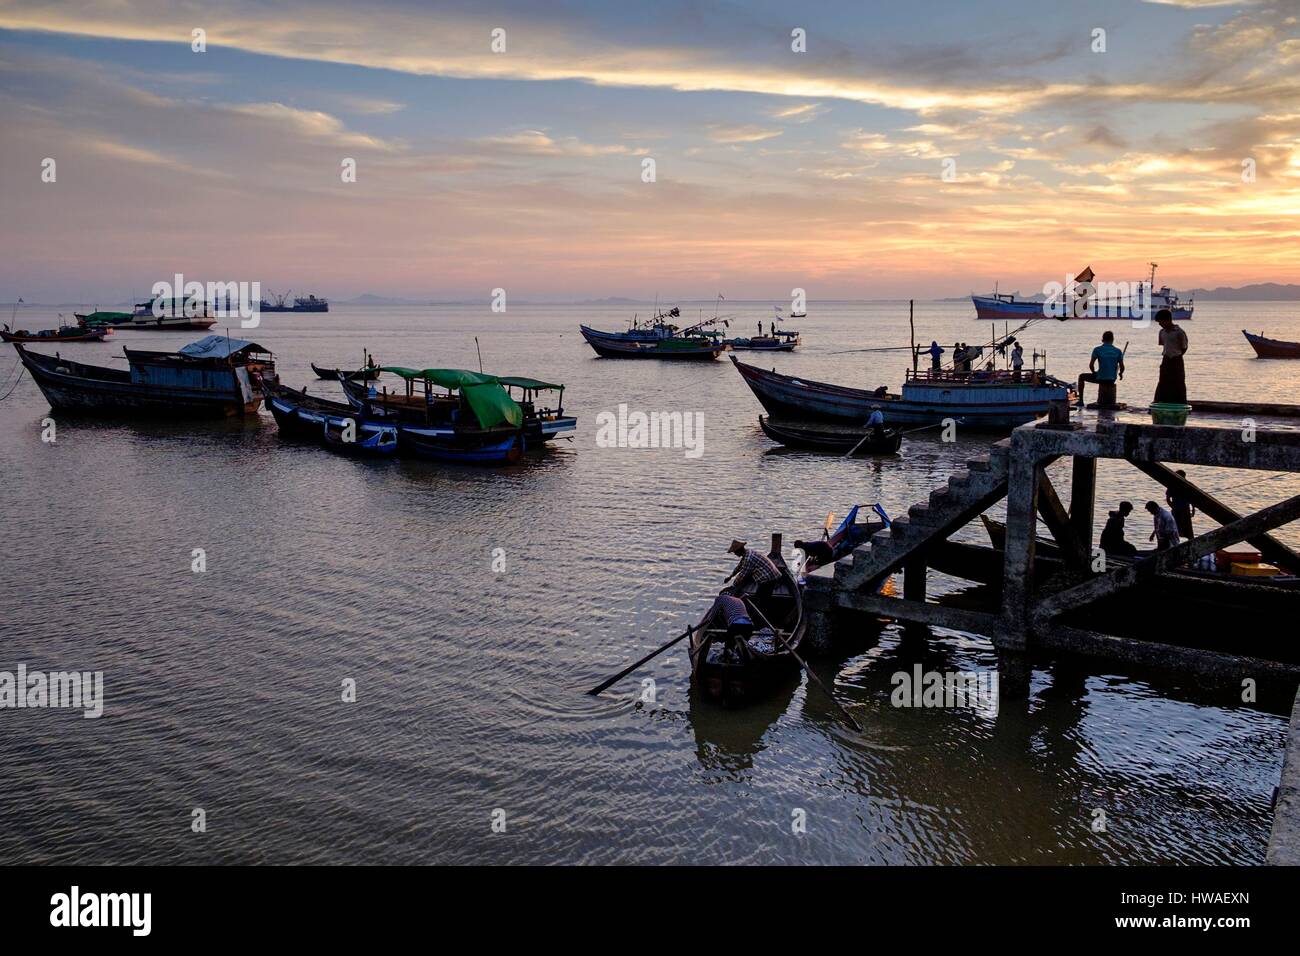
(802, 663)
(910, 431)
(623, 673)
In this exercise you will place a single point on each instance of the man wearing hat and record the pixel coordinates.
(876, 421)
(755, 572)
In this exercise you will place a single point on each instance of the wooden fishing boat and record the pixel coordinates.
(832, 439)
(780, 341)
(213, 376)
(978, 400)
(748, 672)
(335, 424)
(1272, 348)
(668, 346)
(476, 410)
(64, 333)
(840, 543)
(369, 373)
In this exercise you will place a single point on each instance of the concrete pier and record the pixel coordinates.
(1066, 598)
(1284, 842)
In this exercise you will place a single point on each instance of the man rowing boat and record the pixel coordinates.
(755, 573)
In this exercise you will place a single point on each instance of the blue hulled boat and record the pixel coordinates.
(984, 400)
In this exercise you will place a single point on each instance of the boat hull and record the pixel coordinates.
(356, 375)
(612, 345)
(987, 307)
(989, 407)
(94, 335)
(1272, 348)
(734, 682)
(798, 435)
(72, 386)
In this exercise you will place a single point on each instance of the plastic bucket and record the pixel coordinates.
(1169, 413)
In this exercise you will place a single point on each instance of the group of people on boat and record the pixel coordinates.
(1169, 525)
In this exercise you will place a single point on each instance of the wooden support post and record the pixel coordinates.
(914, 574)
(1269, 547)
(1058, 522)
(1128, 575)
(1083, 498)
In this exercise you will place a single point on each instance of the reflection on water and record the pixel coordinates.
(223, 688)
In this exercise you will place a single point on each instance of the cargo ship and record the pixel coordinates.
(1003, 307)
(301, 303)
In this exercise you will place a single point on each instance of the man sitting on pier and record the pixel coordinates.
(1112, 536)
(1165, 533)
(755, 572)
(1105, 366)
(1172, 388)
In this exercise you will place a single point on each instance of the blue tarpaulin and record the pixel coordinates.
(218, 346)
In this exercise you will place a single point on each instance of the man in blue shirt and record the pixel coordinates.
(936, 355)
(1106, 365)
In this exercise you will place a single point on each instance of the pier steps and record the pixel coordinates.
(967, 494)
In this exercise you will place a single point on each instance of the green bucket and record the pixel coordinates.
(1169, 413)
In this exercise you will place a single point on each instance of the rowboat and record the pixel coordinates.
(734, 676)
(213, 376)
(1272, 348)
(847, 536)
(64, 333)
(369, 373)
(977, 400)
(832, 439)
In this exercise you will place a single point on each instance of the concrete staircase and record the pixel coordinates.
(966, 495)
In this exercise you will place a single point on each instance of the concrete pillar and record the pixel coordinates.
(817, 610)
(1018, 558)
(1083, 498)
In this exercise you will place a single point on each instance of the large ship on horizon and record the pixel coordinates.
(301, 303)
(1003, 306)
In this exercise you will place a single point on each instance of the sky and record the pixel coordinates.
(909, 150)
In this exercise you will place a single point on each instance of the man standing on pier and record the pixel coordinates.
(1105, 366)
(1172, 388)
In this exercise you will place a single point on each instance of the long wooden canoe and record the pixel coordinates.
(763, 663)
(831, 439)
(1272, 348)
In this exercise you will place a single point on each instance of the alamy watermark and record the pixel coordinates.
(976, 690)
(637, 429)
(242, 300)
(73, 690)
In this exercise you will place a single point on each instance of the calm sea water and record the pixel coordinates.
(224, 687)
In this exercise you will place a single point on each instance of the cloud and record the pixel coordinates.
(726, 133)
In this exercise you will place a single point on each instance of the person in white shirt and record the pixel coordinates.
(1165, 531)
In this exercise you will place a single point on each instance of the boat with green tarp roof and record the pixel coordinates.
(452, 414)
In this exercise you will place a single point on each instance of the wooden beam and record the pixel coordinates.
(1057, 520)
(917, 612)
(1269, 547)
(1144, 570)
(1083, 496)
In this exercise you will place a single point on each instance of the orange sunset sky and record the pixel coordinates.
(522, 169)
